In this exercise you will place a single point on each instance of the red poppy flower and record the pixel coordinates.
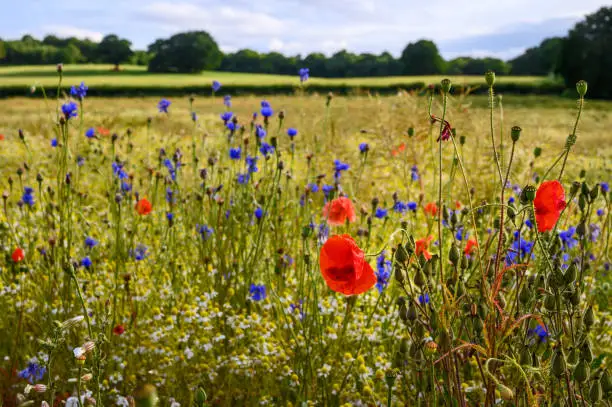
(469, 247)
(431, 209)
(339, 210)
(344, 267)
(144, 207)
(103, 131)
(1, 137)
(458, 205)
(399, 149)
(549, 202)
(118, 330)
(18, 255)
(422, 245)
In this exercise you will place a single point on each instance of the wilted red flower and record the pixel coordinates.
(422, 245)
(344, 267)
(431, 209)
(18, 255)
(549, 202)
(118, 330)
(469, 247)
(144, 207)
(446, 129)
(339, 210)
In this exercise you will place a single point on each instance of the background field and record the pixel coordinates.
(103, 81)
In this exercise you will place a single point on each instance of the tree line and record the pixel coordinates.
(585, 53)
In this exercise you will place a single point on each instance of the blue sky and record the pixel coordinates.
(501, 28)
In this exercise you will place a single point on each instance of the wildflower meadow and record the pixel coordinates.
(429, 248)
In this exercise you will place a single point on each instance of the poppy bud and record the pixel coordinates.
(572, 358)
(21, 135)
(200, 397)
(525, 357)
(585, 352)
(582, 202)
(446, 85)
(281, 115)
(525, 295)
(462, 139)
(549, 302)
(412, 313)
(490, 78)
(453, 218)
(528, 194)
(537, 152)
(419, 279)
(478, 326)
(606, 382)
(558, 366)
(410, 245)
(570, 274)
(410, 131)
(570, 141)
(584, 189)
(453, 254)
(505, 392)
(511, 212)
(574, 188)
(594, 193)
(330, 96)
(581, 87)
(399, 276)
(595, 392)
(581, 229)
(403, 312)
(581, 372)
(444, 340)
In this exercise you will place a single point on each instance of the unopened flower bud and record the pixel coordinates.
(86, 377)
(537, 152)
(72, 322)
(582, 372)
(581, 88)
(595, 392)
(505, 392)
(446, 85)
(39, 388)
(490, 78)
(558, 366)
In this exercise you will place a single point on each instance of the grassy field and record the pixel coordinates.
(138, 77)
(229, 280)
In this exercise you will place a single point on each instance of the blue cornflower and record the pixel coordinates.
(216, 85)
(205, 231)
(79, 92)
(400, 207)
(265, 103)
(529, 223)
(194, 116)
(383, 272)
(364, 148)
(118, 170)
(291, 132)
(170, 217)
(414, 173)
(381, 213)
(412, 206)
(140, 252)
(520, 248)
(257, 292)
(266, 149)
(460, 235)
(604, 187)
(511, 200)
(266, 109)
(424, 299)
(28, 196)
(226, 116)
(33, 373)
(323, 232)
(54, 142)
(243, 178)
(90, 133)
(304, 74)
(600, 212)
(540, 332)
(327, 189)
(69, 109)
(126, 187)
(302, 200)
(567, 238)
(227, 100)
(86, 262)
(312, 187)
(163, 105)
(595, 231)
(259, 213)
(231, 126)
(339, 166)
(235, 153)
(252, 164)
(80, 160)
(169, 195)
(260, 131)
(90, 242)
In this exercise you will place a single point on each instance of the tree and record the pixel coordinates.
(422, 58)
(188, 52)
(114, 50)
(540, 60)
(586, 53)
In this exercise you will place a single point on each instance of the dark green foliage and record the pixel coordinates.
(540, 60)
(422, 58)
(114, 50)
(189, 52)
(586, 53)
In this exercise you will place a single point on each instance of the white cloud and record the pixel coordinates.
(70, 31)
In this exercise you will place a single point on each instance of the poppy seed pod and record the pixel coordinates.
(515, 133)
(528, 194)
(558, 366)
(446, 85)
(595, 393)
(490, 78)
(581, 372)
(581, 87)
